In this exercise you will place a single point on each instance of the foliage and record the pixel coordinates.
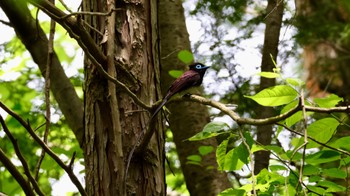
(21, 90)
(297, 168)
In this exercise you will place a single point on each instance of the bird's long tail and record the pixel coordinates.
(142, 133)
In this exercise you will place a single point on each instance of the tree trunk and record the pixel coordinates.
(112, 120)
(186, 119)
(273, 19)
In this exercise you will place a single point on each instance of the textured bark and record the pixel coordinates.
(186, 118)
(274, 12)
(112, 120)
(36, 42)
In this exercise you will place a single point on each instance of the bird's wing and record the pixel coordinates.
(188, 79)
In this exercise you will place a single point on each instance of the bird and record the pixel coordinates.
(191, 78)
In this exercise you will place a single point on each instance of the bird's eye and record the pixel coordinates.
(198, 66)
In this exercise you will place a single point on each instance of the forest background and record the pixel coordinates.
(273, 118)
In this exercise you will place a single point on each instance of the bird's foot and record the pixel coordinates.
(187, 95)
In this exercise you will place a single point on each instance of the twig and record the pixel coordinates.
(66, 168)
(6, 23)
(91, 13)
(312, 139)
(49, 57)
(16, 174)
(20, 157)
(251, 160)
(65, 6)
(251, 121)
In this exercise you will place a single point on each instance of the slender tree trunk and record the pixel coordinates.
(186, 119)
(112, 120)
(273, 19)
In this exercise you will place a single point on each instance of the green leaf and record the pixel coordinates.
(269, 74)
(343, 143)
(323, 129)
(185, 56)
(232, 160)
(275, 96)
(175, 73)
(331, 186)
(256, 148)
(204, 150)
(295, 82)
(211, 129)
(323, 156)
(195, 158)
(330, 101)
(231, 191)
(311, 170)
(335, 173)
(220, 154)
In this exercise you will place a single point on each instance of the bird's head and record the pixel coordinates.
(198, 67)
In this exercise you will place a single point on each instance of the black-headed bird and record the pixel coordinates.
(191, 78)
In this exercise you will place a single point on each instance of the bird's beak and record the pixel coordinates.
(205, 67)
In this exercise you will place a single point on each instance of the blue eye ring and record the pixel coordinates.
(198, 66)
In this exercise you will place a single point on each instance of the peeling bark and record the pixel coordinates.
(113, 120)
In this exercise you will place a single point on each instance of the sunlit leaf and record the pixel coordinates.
(269, 74)
(175, 73)
(322, 130)
(185, 56)
(220, 154)
(275, 96)
(204, 150)
(295, 82)
(231, 191)
(330, 101)
(211, 129)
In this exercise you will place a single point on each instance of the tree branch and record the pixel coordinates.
(20, 157)
(66, 168)
(264, 121)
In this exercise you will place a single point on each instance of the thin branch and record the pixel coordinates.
(6, 23)
(21, 157)
(65, 6)
(16, 174)
(301, 169)
(50, 53)
(66, 168)
(251, 121)
(92, 13)
(234, 115)
(251, 160)
(312, 139)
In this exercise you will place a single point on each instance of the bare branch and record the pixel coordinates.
(16, 174)
(66, 168)
(21, 157)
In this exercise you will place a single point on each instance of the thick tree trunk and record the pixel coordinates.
(186, 119)
(112, 120)
(274, 15)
